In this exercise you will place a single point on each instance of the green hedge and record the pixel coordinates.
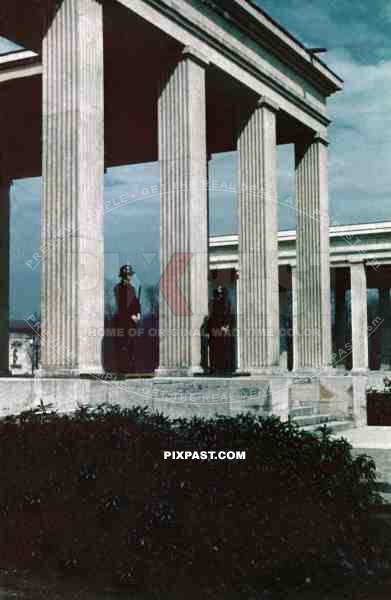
(92, 494)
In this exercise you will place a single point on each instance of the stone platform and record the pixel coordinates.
(343, 397)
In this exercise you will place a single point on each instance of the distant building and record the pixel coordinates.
(23, 349)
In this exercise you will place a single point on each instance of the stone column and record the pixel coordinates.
(258, 319)
(73, 164)
(238, 355)
(312, 252)
(4, 275)
(184, 216)
(385, 338)
(358, 282)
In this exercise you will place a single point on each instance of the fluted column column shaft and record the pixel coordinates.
(73, 165)
(184, 216)
(312, 250)
(385, 315)
(359, 307)
(258, 319)
(4, 275)
(238, 340)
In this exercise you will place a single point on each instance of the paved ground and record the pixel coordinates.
(375, 442)
(369, 437)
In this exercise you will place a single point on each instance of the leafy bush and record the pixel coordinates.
(91, 493)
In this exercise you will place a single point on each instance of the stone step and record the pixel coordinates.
(311, 419)
(335, 426)
(302, 411)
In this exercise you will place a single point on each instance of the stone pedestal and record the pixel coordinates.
(72, 211)
(312, 312)
(184, 216)
(358, 282)
(279, 391)
(4, 274)
(304, 395)
(359, 393)
(258, 319)
(385, 337)
(341, 399)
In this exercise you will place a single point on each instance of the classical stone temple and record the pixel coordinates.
(366, 247)
(360, 273)
(117, 82)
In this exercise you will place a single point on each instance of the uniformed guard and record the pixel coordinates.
(220, 330)
(127, 320)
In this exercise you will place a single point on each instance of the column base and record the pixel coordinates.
(275, 371)
(91, 371)
(179, 372)
(313, 372)
(53, 372)
(360, 371)
(239, 372)
(46, 373)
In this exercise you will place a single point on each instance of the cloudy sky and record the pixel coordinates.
(357, 34)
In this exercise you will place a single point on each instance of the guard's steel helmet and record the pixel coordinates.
(125, 270)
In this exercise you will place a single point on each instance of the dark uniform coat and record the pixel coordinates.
(220, 330)
(128, 305)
